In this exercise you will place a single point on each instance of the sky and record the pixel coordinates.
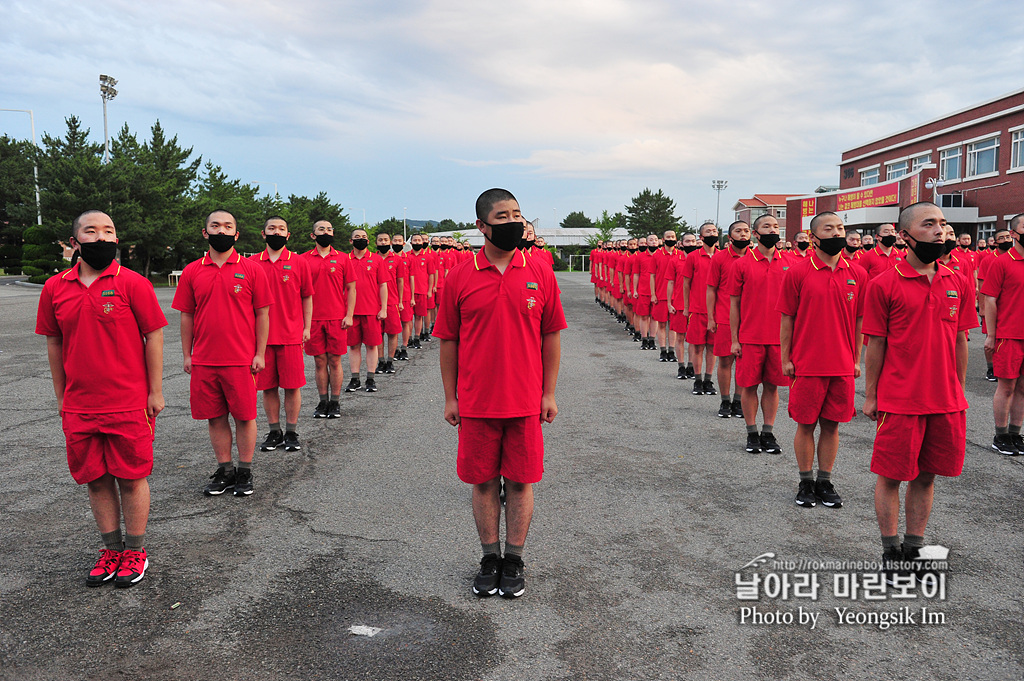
(415, 107)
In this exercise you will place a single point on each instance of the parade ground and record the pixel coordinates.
(354, 557)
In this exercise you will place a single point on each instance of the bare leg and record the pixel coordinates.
(245, 434)
(487, 510)
(748, 400)
(1005, 394)
(337, 375)
(769, 403)
(106, 507)
(292, 404)
(725, 365)
(919, 503)
(828, 445)
(272, 405)
(355, 360)
(220, 438)
(321, 373)
(803, 446)
(134, 504)
(887, 506)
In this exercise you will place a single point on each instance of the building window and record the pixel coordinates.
(1017, 150)
(983, 157)
(868, 177)
(894, 170)
(920, 161)
(780, 213)
(986, 229)
(949, 164)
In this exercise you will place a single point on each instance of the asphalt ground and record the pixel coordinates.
(648, 510)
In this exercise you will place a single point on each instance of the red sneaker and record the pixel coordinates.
(133, 568)
(105, 568)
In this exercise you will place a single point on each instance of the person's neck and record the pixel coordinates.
(87, 274)
(708, 249)
(830, 260)
(274, 255)
(766, 252)
(359, 254)
(885, 249)
(919, 267)
(220, 258)
(668, 250)
(323, 251)
(742, 251)
(498, 257)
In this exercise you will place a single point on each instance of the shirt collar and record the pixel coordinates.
(207, 260)
(760, 258)
(481, 262)
(112, 270)
(820, 264)
(285, 254)
(905, 270)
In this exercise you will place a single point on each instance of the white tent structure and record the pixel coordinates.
(555, 237)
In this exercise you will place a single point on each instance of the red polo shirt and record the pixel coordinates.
(289, 282)
(696, 268)
(421, 266)
(875, 262)
(498, 320)
(369, 273)
(718, 277)
(1004, 283)
(645, 264)
(825, 305)
(920, 322)
(330, 274)
(396, 269)
(102, 328)
(223, 301)
(757, 280)
(662, 262)
(675, 274)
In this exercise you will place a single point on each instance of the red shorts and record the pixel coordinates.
(284, 369)
(326, 337)
(616, 292)
(678, 322)
(392, 325)
(365, 330)
(826, 397)
(216, 391)
(758, 364)
(723, 344)
(642, 305)
(406, 314)
(1008, 358)
(120, 443)
(420, 305)
(659, 311)
(697, 331)
(432, 301)
(908, 445)
(512, 448)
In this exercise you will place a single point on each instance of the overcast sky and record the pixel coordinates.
(570, 104)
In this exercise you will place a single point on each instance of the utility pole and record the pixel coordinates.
(35, 165)
(718, 186)
(107, 92)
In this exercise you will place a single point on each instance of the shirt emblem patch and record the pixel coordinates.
(851, 282)
(532, 285)
(332, 260)
(239, 275)
(285, 278)
(952, 310)
(849, 296)
(951, 294)
(531, 302)
(107, 307)
(286, 267)
(238, 288)
(108, 294)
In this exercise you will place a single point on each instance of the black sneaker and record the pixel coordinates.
(690, 373)
(636, 337)
(389, 367)
(1004, 445)
(275, 439)
(291, 441)
(512, 584)
(664, 356)
(725, 410)
(698, 387)
(486, 582)
(221, 481)
(892, 566)
(354, 384)
(805, 494)
(321, 410)
(402, 355)
(709, 388)
(371, 387)
(769, 444)
(334, 409)
(991, 377)
(380, 367)
(826, 494)
(753, 443)
(243, 482)
(426, 338)
(737, 409)
(671, 355)
(681, 372)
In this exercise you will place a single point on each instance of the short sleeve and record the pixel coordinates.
(876, 309)
(184, 295)
(46, 317)
(553, 316)
(260, 290)
(789, 294)
(993, 281)
(968, 319)
(449, 317)
(145, 306)
(305, 278)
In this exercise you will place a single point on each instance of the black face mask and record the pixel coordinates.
(275, 242)
(690, 249)
(383, 249)
(902, 246)
(360, 244)
(867, 247)
(98, 254)
(832, 245)
(417, 247)
(769, 240)
(982, 247)
(740, 244)
(222, 243)
(803, 245)
(506, 236)
(1004, 245)
(397, 248)
(889, 240)
(324, 240)
(669, 243)
(852, 249)
(950, 245)
(710, 240)
(929, 251)
(631, 250)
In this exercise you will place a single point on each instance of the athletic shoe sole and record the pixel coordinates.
(124, 584)
(1010, 453)
(805, 504)
(511, 594)
(211, 493)
(485, 594)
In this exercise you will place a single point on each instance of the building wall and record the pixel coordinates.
(996, 195)
(748, 215)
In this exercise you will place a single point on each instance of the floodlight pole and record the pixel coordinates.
(718, 186)
(35, 165)
(107, 92)
(405, 235)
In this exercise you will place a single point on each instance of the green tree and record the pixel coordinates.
(651, 213)
(605, 226)
(577, 220)
(390, 226)
(17, 199)
(213, 189)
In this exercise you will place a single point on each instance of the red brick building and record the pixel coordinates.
(751, 209)
(970, 162)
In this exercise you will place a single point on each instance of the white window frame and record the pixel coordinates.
(920, 160)
(944, 155)
(985, 230)
(1016, 150)
(897, 169)
(991, 143)
(868, 170)
(780, 213)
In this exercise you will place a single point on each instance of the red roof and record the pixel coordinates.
(767, 200)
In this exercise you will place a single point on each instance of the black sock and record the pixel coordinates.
(290, 427)
(707, 377)
(913, 541)
(806, 475)
(513, 550)
(134, 542)
(824, 475)
(1014, 430)
(275, 427)
(323, 397)
(494, 548)
(736, 397)
(1002, 430)
(112, 540)
(335, 398)
(892, 542)
(244, 465)
(766, 428)
(227, 467)
(752, 430)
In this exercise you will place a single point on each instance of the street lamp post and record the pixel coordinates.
(35, 166)
(405, 235)
(107, 92)
(718, 186)
(258, 183)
